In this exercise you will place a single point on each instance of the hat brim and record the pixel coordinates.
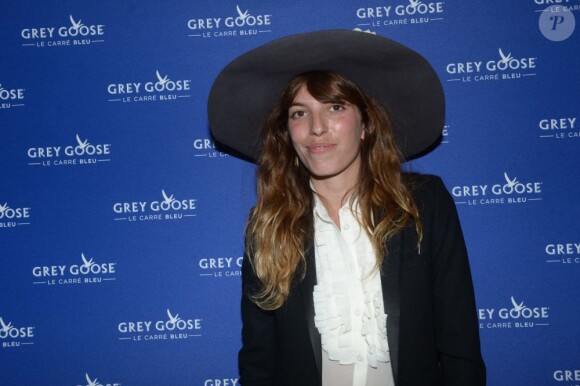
(247, 89)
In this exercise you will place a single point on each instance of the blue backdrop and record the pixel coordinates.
(121, 225)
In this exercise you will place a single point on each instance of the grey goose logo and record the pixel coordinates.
(503, 67)
(162, 89)
(411, 12)
(11, 97)
(87, 272)
(95, 382)
(174, 327)
(511, 192)
(13, 337)
(81, 153)
(12, 217)
(518, 315)
(559, 128)
(244, 23)
(75, 34)
(168, 208)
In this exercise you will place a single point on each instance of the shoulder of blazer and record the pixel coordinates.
(427, 190)
(421, 185)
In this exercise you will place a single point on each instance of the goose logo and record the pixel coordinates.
(368, 31)
(163, 89)
(220, 266)
(563, 253)
(173, 328)
(169, 208)
(559, 128)
(13, 217)
(95, 382)
(221, 382)
(546, 2)
(411, 12)
(205, 147)
(243, 23)
(11, 336)
(518, 315)
(75, 34)
(511, 192)
(11, 97)
(506, 67)
(567, 375)
(87, 272)
(445, 134)
(81, 153)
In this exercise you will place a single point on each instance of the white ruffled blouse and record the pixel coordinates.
(348, 302)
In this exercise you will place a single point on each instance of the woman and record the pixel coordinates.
(355, 273)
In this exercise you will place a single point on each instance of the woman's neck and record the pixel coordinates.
(333, 194)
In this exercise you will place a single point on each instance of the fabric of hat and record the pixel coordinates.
(246, 90)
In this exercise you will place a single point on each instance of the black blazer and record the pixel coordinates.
(432, 326)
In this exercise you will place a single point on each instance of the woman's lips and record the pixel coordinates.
(320, 148)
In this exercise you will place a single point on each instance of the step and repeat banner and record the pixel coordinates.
(121, 223)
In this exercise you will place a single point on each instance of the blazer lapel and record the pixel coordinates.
(306, 287)
(392, 298)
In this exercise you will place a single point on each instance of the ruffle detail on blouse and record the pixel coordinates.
(332, 301)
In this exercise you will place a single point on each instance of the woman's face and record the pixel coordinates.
(326, 136)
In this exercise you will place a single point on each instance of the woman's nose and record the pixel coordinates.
(318, 124)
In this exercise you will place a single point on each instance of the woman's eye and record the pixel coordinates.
(337, 107)
(296, 114)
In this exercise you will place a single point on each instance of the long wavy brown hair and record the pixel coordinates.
(280, 226)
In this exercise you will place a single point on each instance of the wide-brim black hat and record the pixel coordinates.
(247, 89)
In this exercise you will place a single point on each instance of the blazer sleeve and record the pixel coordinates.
(257, 357)
(456, 325)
